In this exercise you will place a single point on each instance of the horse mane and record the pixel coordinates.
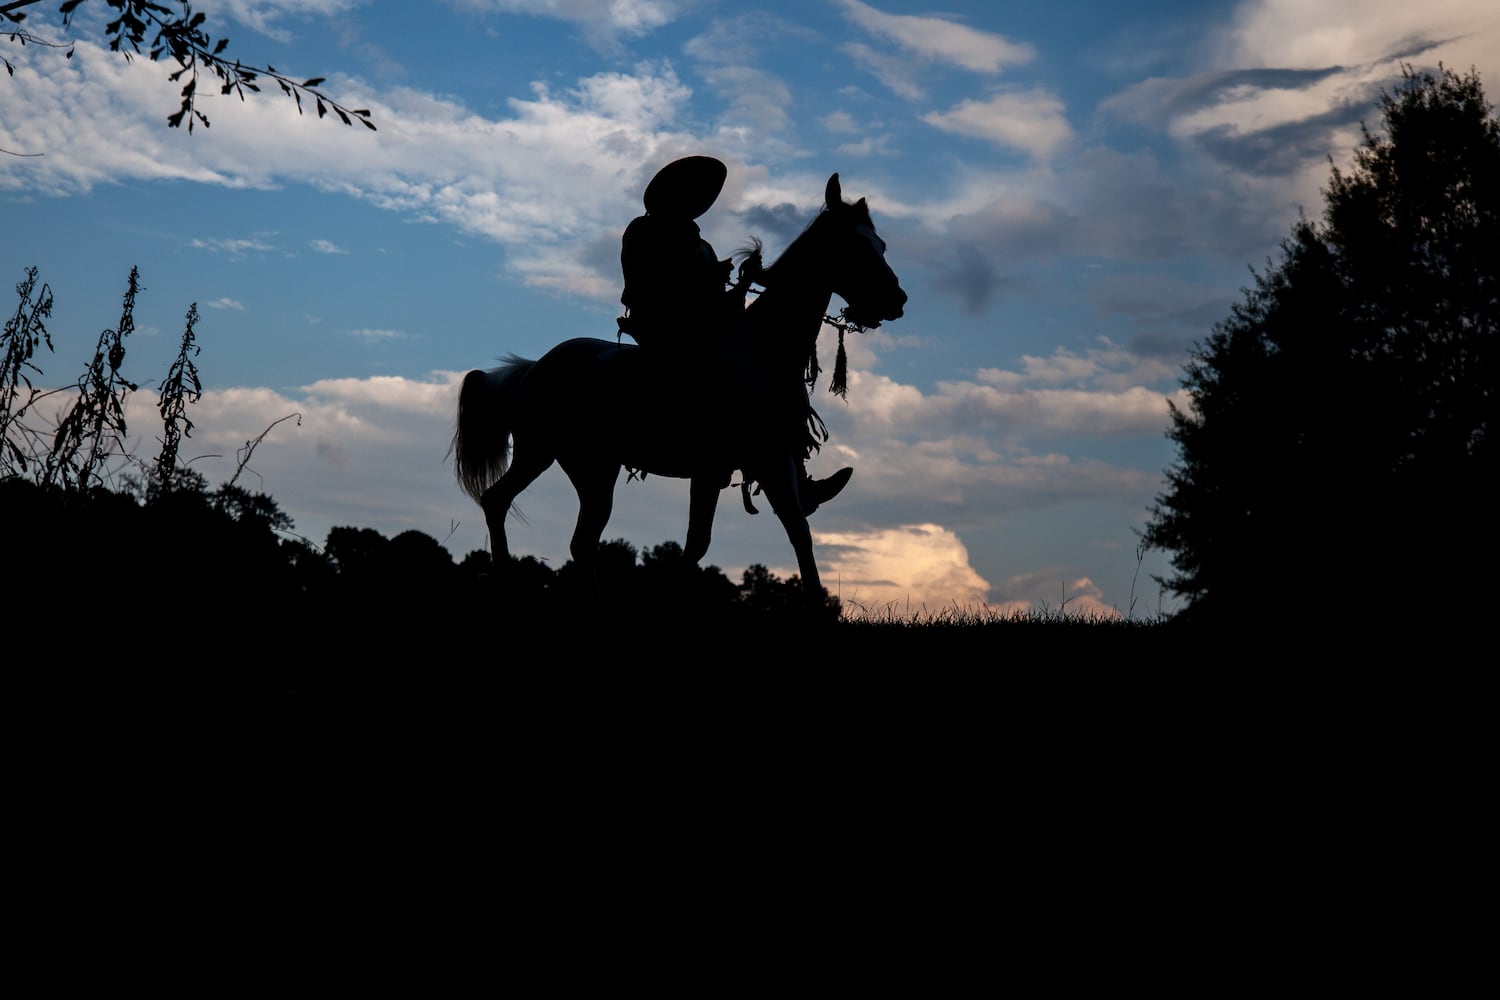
(752, 246)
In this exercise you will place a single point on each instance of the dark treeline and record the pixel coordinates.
(188, 550)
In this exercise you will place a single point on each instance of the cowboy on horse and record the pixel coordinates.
(676, 287)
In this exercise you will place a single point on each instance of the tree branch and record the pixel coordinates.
(182, 37)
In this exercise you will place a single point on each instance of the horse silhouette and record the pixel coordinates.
(739, 401)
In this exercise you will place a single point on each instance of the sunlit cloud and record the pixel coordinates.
(919, 565)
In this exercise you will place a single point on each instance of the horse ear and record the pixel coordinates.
(834, 195)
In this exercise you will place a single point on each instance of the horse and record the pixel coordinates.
(597, 406)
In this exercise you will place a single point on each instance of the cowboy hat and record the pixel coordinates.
(686, 188)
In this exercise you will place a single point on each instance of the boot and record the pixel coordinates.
(816, 492)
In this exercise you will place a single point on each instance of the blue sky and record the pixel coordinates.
(1073, 194)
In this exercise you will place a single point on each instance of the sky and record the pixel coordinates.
(1072, 194)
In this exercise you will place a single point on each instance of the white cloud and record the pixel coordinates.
(895, 72)
(233, 246)
(1349, 33)
(515, 179)
(602, 21)
(225, 303)
(266, 16)
(326, 246)
(840, 121)
(1033, 121)
(879, 145)
(940, 39)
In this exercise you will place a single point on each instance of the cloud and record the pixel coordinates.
(756, 101)
(513, 179)
(898, 74)
(265, 16)
(225, 303)
(1287, 33)
(1303, 78)
(326, 246)
(879, 145)
(841, 122)
(370, 453)
(233, 246)
(1033, 121)
(602, 22)
(938, 39)
(911, 566)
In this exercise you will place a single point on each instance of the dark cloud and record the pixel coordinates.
(1159, 100)
(777, 225)
(602, 254)
(972, 276)
(1282, 150)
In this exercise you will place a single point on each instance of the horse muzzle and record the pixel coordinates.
(871, 315)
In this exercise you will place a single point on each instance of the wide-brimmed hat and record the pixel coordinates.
(686, 188)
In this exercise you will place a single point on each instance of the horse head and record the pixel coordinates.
(862, 277)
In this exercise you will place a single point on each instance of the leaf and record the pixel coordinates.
(321, 109)
(222, 44)
(313, 82)
(342, 116)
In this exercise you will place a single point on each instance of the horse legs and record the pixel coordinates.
(527, 463)
(781, 490)
(595, 486)
(703, 501)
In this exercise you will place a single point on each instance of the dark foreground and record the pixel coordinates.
(393, 789)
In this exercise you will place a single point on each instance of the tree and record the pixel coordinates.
(1338, 448)
(181, 37)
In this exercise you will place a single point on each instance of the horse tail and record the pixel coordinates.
(481, 439)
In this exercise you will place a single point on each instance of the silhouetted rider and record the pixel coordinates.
(677, 291)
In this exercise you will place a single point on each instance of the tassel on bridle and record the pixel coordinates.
(839, 385)
(750, 271)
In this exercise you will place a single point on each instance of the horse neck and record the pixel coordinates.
(794, 303)
(793, 312)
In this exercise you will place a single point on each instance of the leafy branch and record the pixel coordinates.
(95, 426)
(181, 388)
(23, 334)
(181, 36)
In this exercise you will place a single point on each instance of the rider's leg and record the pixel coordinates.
(816, 492)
